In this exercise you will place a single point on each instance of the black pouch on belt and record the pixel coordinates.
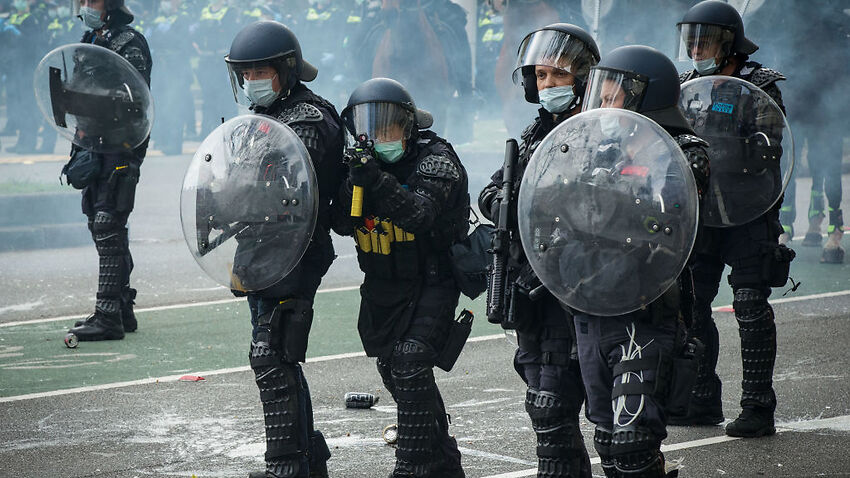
(459, 332)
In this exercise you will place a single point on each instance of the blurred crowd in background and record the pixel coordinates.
(456, 57)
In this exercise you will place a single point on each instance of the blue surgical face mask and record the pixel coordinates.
(556, 99)
(389, 152)
(260, 92)
(91, 18)
(705, 67)
(610, 125)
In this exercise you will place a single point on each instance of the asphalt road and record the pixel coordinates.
(213, 428)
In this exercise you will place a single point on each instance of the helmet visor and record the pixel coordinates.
(556, 49)
(699, 41)
(380, 122)
(614, 89)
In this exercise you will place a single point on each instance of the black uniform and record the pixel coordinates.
(629, 359)
(282, 314)
(108, 202)
(546, 358)
(749, 249)
(409, 295)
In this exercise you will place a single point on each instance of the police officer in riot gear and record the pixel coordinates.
(712, 35)
(552, 66)
(108, 201)
(613, 350)
(266, 65)
(414, 207)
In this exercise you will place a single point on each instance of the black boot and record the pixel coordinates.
(449, 466)
(128, 317)
(753, 422)
(99, 326)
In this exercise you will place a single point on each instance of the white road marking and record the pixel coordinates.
(173, 378)
(159, 308)
(664, 448)
(495, 456)
(795, 299)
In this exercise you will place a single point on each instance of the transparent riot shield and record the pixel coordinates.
(607, 211)
(94, 97)
(249, 202)
(751, 147)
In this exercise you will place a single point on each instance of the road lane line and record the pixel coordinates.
(160, 308)
(786, 300)
(349, 288)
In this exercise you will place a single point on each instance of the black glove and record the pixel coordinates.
(363, 171)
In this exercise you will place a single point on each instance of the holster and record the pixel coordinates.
(292, 319)
(458, 333)
(124, 181)
(520, 300)
(683, 377)
(777, 264)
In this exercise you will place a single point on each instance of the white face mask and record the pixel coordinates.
(705, 67)
(260, 92)
(91, 18)
(556, 99)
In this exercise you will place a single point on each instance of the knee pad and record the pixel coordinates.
(280, 394)
(752, 311)
(637, 452)
(109, 234)
(410, 355)
(602, 443)
(555, 423)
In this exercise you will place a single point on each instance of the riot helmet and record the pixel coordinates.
(711, 32)
(383, 110)
(267, 44)
(641, 79)
(563, 46)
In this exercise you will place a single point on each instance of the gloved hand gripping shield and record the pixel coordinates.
(94, 97)
(751, 147)
(607, 216)
(249, 202)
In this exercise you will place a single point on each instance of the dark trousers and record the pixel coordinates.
(408, 374)
(603, 342)
(744, 248)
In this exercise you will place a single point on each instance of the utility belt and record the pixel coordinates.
(377, 235)
(389, 252)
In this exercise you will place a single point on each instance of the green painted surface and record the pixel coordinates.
(33, 357)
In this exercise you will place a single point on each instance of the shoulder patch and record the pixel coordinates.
(436, 166)
(301, 112)
(688, 139)
(762, 77)
(688, 75)
(121, 40)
